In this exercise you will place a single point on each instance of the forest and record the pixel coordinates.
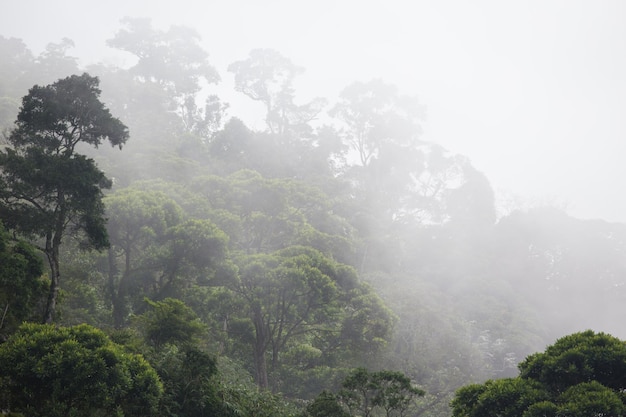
(160, 257)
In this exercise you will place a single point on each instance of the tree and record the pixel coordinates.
(375, 116)
(367, 393)
(17, 62)
(21, 286)
(580, 375)
(173, 59)
(326, 404)
(288, 294)
(170, 322)
(137, 223)
(307, 312)
(267, 76)
(579, 358)
(174, 62)
(47, 189)
(54, 63)
(15, 73)
(78, 371)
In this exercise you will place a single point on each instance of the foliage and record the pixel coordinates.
(364, 392)
(304, 306)
(580, 375)
(579, 358)
(367, 393)
(48, 371)
(21, 285)
(47, 190)
(170, 322)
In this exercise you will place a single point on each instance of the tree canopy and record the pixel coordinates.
(50, 371)
(579, 375)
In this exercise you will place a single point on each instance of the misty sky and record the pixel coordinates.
(533, 92)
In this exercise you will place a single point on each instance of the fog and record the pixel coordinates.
(532, 92)
(452, 203)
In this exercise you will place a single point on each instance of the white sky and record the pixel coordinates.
(532, 91)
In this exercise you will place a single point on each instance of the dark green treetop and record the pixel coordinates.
(48, 189)
(78, 371)
(580, 375)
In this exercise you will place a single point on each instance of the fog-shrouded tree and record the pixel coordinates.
(49, 191)
(171, 68)
(307, 310)
(376, 115)
(17, 63)
(172, 59)
(138, 221)
(54, 62)
(267, 76)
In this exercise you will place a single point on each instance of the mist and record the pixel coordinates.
(451, 172)
(532, 93)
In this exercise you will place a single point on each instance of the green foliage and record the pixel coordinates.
(326, 405)
(170, 322)
(190, 382)
(22, 286)
(506, 397)
(580, 375)
(366, 393)
(47, 190)
(579, 358)
(48, 371)
(304, 307)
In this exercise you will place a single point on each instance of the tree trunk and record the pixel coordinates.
(259, 350)
(117, 291)
(53, 243)
(52, 253)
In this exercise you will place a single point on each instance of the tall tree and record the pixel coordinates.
(138, 221)
(174, 64)
(300, 302)
(267, 76)
(47, 189)
(376, 115)
(173, 59)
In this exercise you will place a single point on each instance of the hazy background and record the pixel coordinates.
(534, 92)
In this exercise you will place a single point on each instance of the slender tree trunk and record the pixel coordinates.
(53, 243)
(259, 350)
(117, 291)
(52, 253)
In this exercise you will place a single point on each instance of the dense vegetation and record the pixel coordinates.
(581, 375)
(333, 263)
